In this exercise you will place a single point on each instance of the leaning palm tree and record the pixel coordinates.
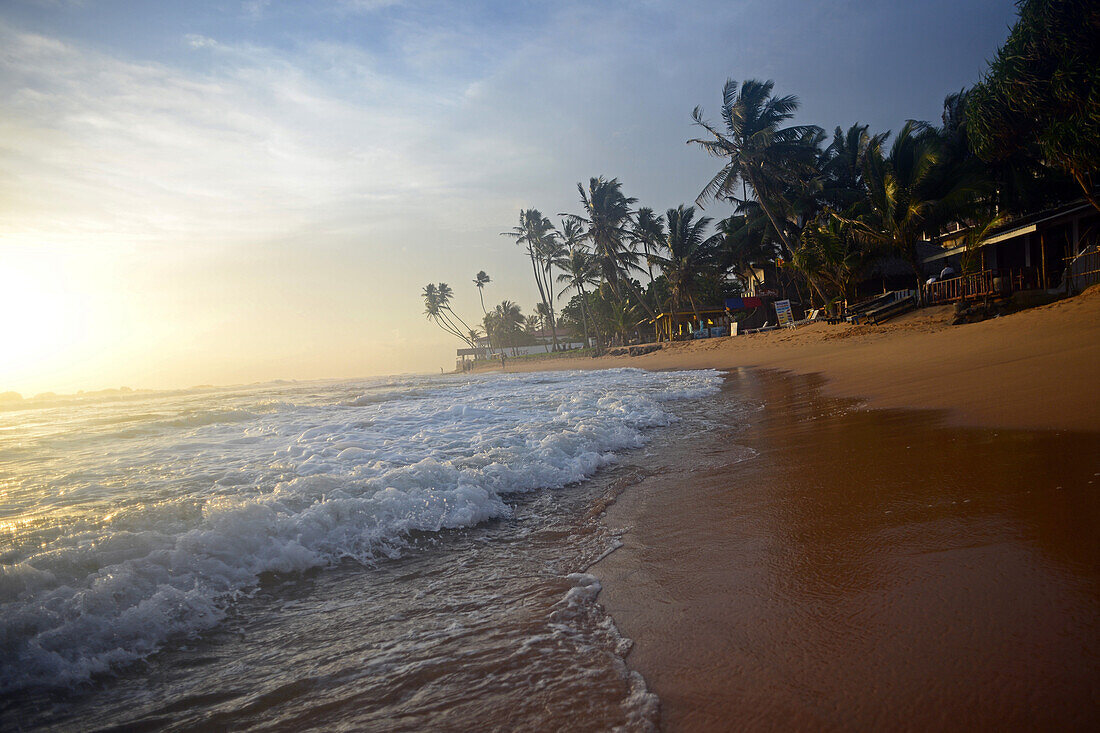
(444, 294)
(757, 150)
(606, 223)
(436, 307)
(687, 253)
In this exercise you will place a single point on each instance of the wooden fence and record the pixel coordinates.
(1084, 269)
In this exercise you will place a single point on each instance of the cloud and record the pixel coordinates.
(260, 145)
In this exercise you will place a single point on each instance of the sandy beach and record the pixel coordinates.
(819, 565)
(1035, 369)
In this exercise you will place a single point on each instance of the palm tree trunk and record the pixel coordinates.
(639, 298)
(1085, 184)
(464, 324)
(694, 308)
(595, 325)
(550, 305)
(448, 326)
(542, 291)
(488, 337)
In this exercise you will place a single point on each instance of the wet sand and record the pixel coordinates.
(932, 563)
(820, 567)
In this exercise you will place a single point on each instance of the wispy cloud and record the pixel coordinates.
(262, 145)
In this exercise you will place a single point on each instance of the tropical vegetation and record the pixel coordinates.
(815, 215)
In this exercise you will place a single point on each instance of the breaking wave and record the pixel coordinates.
(154, 537)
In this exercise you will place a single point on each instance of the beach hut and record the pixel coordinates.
(1028, 252)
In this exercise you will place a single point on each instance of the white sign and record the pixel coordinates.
(783, 313)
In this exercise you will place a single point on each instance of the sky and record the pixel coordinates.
(226, 192)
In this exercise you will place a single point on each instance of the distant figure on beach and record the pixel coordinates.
(502, 365)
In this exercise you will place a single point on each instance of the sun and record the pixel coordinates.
(41, 317)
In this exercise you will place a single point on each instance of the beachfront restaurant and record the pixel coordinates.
(683, 325)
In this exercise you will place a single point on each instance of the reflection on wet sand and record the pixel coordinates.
(866, 569)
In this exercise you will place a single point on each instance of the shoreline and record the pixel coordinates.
(902, 538)
(1037, 369)
(813, 565)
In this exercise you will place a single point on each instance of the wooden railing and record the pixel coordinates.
(978, 285)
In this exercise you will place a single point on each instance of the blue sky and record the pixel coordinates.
(230, 191)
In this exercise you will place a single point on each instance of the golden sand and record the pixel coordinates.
(1038, 368)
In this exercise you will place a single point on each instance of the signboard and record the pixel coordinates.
(783, 313)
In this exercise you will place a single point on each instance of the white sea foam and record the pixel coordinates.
(112, 544)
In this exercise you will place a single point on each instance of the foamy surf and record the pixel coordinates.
(114, 546)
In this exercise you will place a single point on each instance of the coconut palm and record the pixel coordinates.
(844, 161)
(551, 248)
(757, 150)
(648, 231)
(436, 308)
(480, 281)
(444, 292)
(504, 322)
(686, 254)
(907, 200)
(745, 243)
(831, 257)
(533, 234)
(531, 324)
(606, 224)
(579, 269)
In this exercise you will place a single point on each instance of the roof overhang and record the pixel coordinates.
(1003, 236)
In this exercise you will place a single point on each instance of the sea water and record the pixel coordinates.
(396, 553)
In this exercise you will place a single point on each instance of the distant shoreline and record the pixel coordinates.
(1036, 369)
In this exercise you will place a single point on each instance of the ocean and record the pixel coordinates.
(401, 553)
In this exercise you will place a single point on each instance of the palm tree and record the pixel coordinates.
(758, 152)
(480, 281)
(907, 200)
(436, 299)
(606, 223)
(532, 233)
(551, 249)
(444, 294)
(689, 253)
(744, 244)
(648, 232)
(504, 322)
(829, 255)
(578, 269)
(844, 161)
(532, 324)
